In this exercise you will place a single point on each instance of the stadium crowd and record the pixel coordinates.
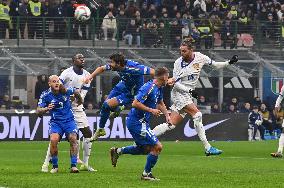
(159, 21)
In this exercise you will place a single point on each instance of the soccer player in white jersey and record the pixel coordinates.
(279, 152)
(186, 72)
(73, 77)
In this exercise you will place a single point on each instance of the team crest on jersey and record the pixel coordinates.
(276, 85)
(64, 98)
(196, 66)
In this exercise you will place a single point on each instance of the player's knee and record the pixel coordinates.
(157, 149)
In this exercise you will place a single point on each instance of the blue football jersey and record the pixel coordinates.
(62, 110)
(149, 95)
(132, 75)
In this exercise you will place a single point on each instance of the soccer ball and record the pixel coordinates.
(82, 13)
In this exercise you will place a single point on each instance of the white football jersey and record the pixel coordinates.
(188, 72)
(280, 97)
(71, 79)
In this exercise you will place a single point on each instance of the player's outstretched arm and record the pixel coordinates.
(222, 64)
(141, 106)
(98, 71)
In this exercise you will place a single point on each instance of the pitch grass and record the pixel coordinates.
(182, 164)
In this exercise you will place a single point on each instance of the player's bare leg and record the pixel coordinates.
(72, 137)
(87, 146)
(54, 139)
(106, 109)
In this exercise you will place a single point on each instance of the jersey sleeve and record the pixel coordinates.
(70, 91)
(141, 69)
(85, 88)
(107, 67)
(42, 102)
(144, 93)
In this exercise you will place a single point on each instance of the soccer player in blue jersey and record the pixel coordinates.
(132, 78)
(149, 100)
(57, 101)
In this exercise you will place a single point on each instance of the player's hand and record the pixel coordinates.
(50, 106)
(194, 94)
(156, 112)
(171, 81)
(234, 59)
(168, 118)
(87, 80)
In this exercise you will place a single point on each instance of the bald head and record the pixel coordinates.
(54, 83)
(52, 77)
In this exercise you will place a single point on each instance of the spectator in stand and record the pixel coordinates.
(150, 34)
(4, 18)
(90, 106)
(234, 101)
(243, 23)
(35, 10)
(122, 23)
(6, 103)
(216, 23)
(195, 35)
(14, 13)
(132, 32)
(215, 108)
(175, 34)
(256, 101)
(111, 8)
(161, 34)
(152, 11)
(202, 101)
(59, 24)
(109, 24)
(271, 27)
(130, 9)
(228, 33)
(201, 3)
(187, 8)
(267, 118)
(41, 85)
(232, 109)
(246, 108)
(204, 28)
(144, 11)
(185, 32)
(23, 13)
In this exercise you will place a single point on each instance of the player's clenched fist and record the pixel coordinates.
(155, 112)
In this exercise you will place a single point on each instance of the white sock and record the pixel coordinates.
(48, 156)
(162, 128)
(197, 119)
(78, 154)
(281, 143)
(87, 146)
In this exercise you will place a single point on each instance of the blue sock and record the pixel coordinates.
(73, 160)
(151, 161)
(105, 111)
(54, 160)
(133, 150)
